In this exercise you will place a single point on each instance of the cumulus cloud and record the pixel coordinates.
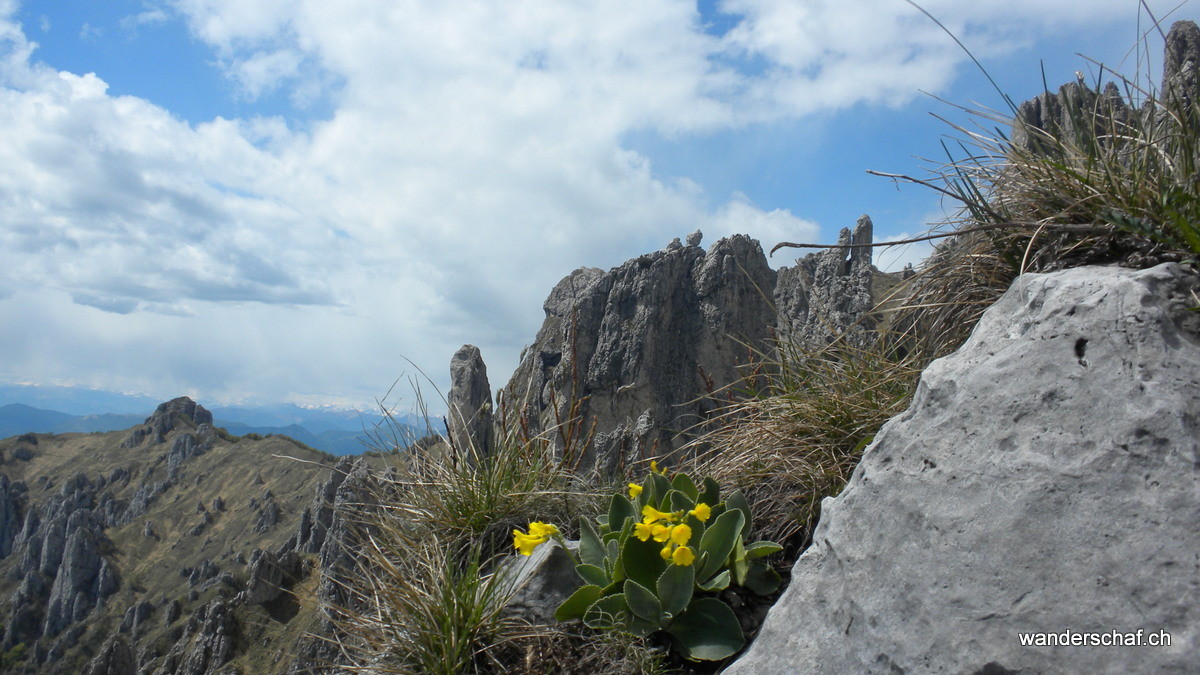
(471, 157)
(740, 215)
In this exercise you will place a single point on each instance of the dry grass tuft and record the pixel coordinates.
(796, 441)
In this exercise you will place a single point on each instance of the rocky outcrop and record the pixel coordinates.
(317, 517)
(207, 644)
(269, 575)
(469, 418)
(183, 448)
(1181, 64)
(177, 413)
(638, 348)
(1046, 479)
(636, 345)
(76, 585)
(116, 657)
(827, 295)
(11, 500)
(352, 492)
(267, 510)
(1080, 115)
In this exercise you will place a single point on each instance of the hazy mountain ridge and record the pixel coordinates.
(340, 432)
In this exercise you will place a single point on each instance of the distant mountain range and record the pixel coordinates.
(339, 431)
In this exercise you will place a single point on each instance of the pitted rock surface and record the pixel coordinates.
(1045, 478)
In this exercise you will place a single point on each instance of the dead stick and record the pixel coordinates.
(1080, 229)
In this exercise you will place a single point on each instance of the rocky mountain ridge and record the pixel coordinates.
(170, 547)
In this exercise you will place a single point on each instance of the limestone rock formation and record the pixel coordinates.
(640, 346)
(1045, 479)
(1070, 113)
(470, 402)
(269, 574)
(642, 341)
(1181, 62)
(827, 295)
(74, 600)
(11, 497)
(115, 658)
(174, 414)
(348, 492)
(213, 631)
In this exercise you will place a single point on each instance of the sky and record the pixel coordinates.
(310, 201)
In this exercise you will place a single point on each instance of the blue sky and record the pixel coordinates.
(288, 200)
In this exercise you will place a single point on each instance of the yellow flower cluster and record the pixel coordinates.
(539, 533)
(667, 529)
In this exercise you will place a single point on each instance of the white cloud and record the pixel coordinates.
(472, 158)
(895, 258)
(740, 216)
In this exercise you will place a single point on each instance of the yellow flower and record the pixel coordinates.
(660, 532)
(702, 512)
(525, 543)
(666, 552)
(680, 534)
(634, 490)
(654, 467)
(683, 556)
(539, 529)
(651, 514)
(643, 531)
(539, 533)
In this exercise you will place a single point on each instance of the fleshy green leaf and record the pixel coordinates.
(591, 551)
(680, 501)
(618, 564)
(675, 587)
(738, 501)
(717, 583)
(643, 602)
(642, 561)
(762, 578)
(684, 484)
(698, 528)
(707, 631)
(710, 492)
(592, 574)
(619, 511)
(719, 540)
(575, 606)
(607, 613)
(737, 562)
(762, 549)
(661, 487)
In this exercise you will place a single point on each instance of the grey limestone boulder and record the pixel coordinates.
(536, 585)
(1046, 478)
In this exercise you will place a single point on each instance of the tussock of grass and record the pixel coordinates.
(423, 598)
(797, 439)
